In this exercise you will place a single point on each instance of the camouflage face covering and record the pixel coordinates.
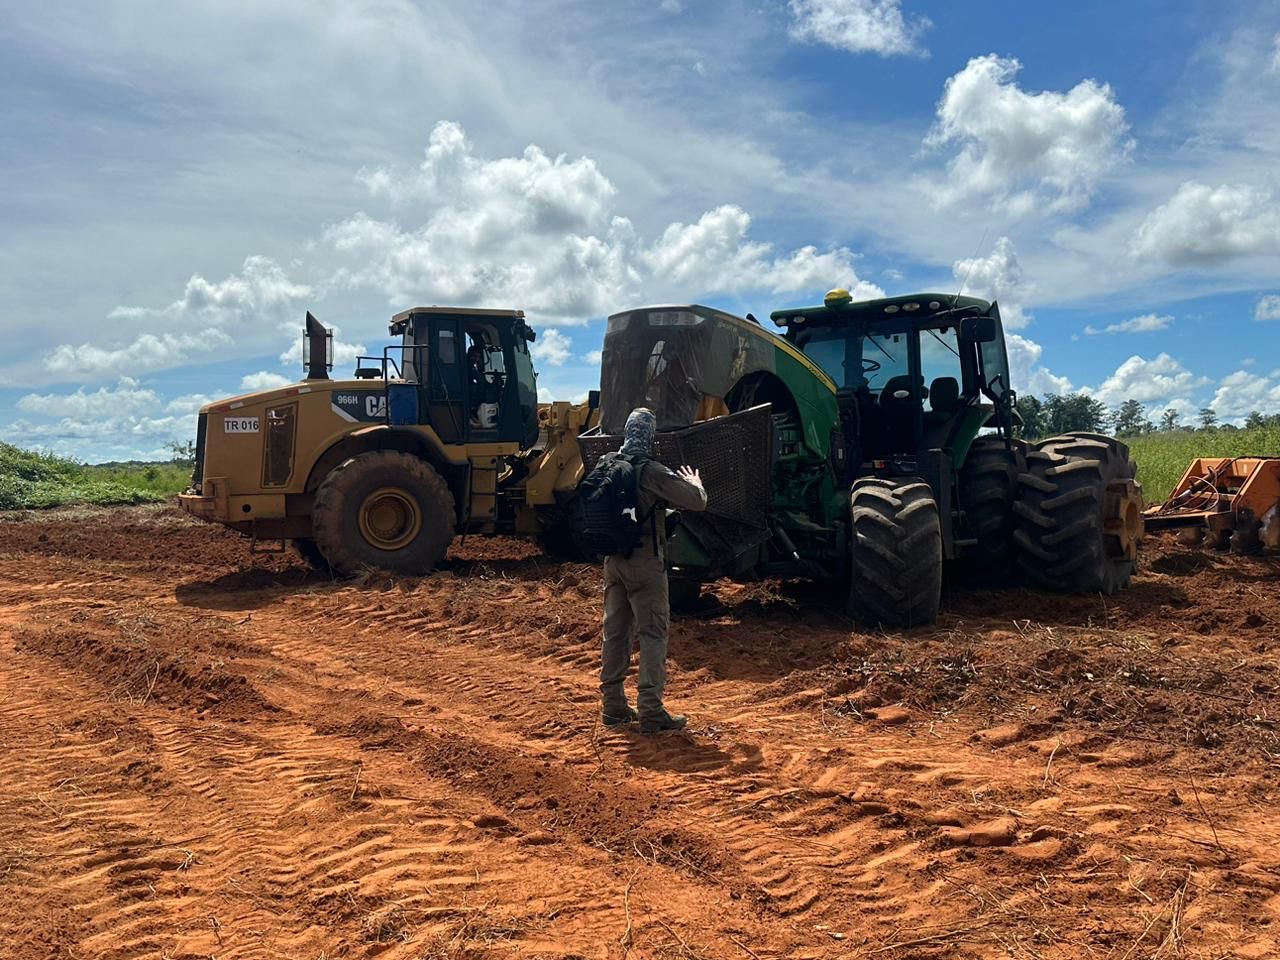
(637, 435)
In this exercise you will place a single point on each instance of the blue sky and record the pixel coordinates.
(184, 180)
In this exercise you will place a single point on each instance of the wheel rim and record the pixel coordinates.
(390, 518)
(1123, 518)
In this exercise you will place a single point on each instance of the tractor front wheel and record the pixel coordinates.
(387, 510)
(895, 553)
(988, 490)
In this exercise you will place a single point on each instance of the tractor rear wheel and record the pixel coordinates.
(1079, 514)
(988, 490)
(895, 553)
(384, 509)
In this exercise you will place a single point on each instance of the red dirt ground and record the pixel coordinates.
(209, 754)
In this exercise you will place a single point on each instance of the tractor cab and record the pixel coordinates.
(921, 372)
(467, 373)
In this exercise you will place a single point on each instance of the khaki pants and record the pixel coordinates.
(636, 607)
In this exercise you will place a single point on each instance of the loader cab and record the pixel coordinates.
(921, 372)
(473, 373)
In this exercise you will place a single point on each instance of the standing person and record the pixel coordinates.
(636, 603)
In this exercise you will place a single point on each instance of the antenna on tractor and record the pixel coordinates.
(973, 262)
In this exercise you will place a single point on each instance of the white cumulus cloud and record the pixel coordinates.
(147, 351)
(997, 276)
(263, 380)
(1161, 380)
(1025, 372)
(543, 232)
(1267, 308)
(1202, 225)
(1026, 151)
(1242, 392)
(207, 316)
(552, 347)
(126, 397)
(1147, 323)
(859, 26)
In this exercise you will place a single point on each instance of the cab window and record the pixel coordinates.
(940, 363)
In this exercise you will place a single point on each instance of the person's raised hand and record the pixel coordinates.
(689, 475)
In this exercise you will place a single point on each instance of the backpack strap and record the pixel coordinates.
(638, 462)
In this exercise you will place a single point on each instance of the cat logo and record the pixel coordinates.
(360, 406)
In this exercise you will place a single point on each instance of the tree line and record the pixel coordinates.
(1053, 414)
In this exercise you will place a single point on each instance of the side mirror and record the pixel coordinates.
(977, 329)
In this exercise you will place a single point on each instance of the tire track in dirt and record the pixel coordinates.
(212, 768)
(797, 883)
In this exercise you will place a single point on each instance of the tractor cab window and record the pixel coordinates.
(885, 362)
(869, 360)
(829, 354)
(940, 369)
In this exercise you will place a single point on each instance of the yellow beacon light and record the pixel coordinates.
(837, 297)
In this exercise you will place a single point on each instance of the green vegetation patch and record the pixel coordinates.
(30, 481)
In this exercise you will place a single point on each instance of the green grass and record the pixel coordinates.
(1164, 457)
(30, 481)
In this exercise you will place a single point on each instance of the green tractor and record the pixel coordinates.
(872, 443)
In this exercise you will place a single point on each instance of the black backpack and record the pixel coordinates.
(605, 519)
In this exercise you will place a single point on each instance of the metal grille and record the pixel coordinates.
(734, 455)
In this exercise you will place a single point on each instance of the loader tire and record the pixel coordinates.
(386, 510)
(988, 491)
(1079, 515)
(895, 553)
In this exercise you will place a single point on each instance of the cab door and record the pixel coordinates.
(446, 386)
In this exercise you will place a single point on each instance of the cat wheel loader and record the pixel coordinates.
(871, 443)
(441, 435)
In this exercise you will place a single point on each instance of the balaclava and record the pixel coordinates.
(637, 435)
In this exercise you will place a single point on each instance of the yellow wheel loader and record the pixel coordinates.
(442, 435)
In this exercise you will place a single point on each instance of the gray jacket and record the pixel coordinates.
(659, 485)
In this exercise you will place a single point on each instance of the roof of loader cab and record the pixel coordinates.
(399, 321)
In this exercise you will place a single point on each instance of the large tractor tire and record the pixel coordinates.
(988, 491)
(387, 510)
(1079, 514)
(895, 553)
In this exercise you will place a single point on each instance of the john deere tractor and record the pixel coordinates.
(871, 442)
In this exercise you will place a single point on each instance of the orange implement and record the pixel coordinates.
(1230, 500)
